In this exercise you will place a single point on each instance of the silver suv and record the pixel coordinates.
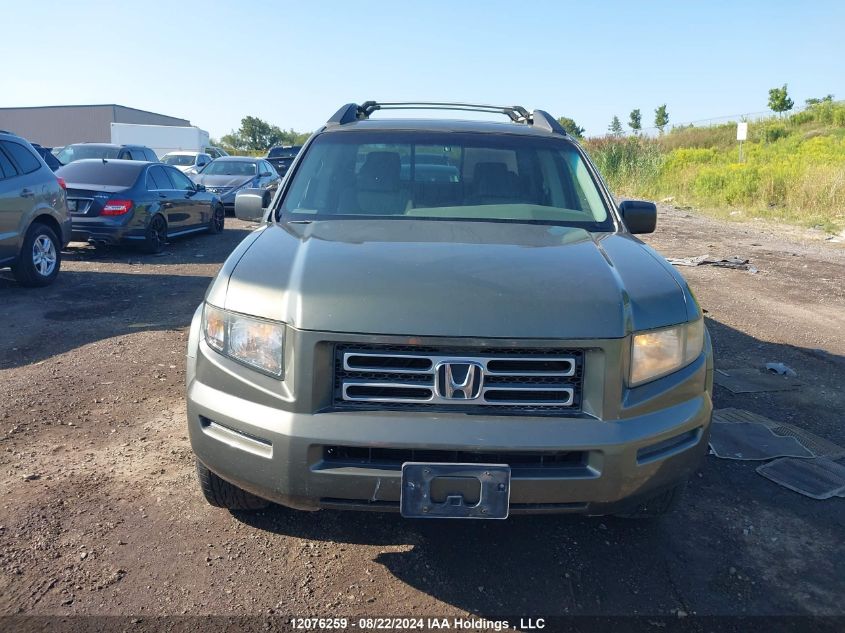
(452, 319)
(34, 221)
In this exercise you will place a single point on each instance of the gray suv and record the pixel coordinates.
(34, 222)
(450, 319)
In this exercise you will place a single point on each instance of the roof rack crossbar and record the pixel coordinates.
(515, 113)
(539, 118)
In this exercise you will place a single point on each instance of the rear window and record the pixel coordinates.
(425, 175)
(79, 152)
(25, 159)
(112, 174)
(283, 152)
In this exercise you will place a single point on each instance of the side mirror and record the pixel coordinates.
(639, 216)
(249, 205)
(199, 187)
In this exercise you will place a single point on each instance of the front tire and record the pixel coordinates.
(156, 236)
(221, 494)
(218, 220)
(40, 257)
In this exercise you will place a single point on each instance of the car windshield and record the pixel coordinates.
(230, 168)
(181, 160)
(78, 152)
(97, 172)
(456, 176)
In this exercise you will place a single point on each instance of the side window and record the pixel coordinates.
(180, 180)
(157, 179)
(136, 154)
(27, 162)
(151, 155)
(7, 169)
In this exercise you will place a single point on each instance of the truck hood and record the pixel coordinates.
(453, 279)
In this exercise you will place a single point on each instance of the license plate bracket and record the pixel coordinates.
(493, 500)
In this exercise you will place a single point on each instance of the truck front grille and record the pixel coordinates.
(508, 380)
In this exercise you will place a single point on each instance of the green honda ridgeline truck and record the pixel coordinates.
(447, 318)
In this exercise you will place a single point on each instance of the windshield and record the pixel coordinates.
(77, 152)
(182, 160)
(230, 168)
(422, 175)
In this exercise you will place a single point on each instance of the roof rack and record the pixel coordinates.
(539, 118)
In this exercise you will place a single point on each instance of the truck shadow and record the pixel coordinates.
(131, 292)
(739, 544)
(82, 307)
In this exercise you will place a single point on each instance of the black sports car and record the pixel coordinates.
(116, 201)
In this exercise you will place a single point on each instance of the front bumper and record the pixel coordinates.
(260, 442)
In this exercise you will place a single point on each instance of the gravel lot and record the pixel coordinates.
(100, 512)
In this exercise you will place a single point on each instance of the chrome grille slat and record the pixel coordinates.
(406, 376)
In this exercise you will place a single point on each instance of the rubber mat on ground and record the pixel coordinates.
(818, 478)
(752, 441)
(818, 446)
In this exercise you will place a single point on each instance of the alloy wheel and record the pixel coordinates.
(44, 255)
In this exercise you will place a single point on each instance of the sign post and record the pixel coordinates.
(741, 135)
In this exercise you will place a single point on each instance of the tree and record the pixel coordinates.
(571, 127)
(815, 101)
(779, 100)
(258, 135)
(636, 121)
(661, 118)
(615, 127)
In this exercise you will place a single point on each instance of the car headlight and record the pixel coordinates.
(258, 343)
(660, 352)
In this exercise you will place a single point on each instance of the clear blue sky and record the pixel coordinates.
(295, 63)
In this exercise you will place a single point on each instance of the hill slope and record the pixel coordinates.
(793, 168)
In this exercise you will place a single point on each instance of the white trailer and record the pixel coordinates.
(162, 139)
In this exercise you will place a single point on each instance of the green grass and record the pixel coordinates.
(793, 169)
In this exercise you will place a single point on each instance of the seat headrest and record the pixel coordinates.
(494, 180)
(380, 172)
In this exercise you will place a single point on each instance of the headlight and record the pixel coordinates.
(257, 343)
(660, 352)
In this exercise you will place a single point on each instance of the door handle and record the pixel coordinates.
(162, 195)
(27, 193)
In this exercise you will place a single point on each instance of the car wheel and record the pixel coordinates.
(156, 236)
(659, 505)
(221, 494)
(40, 257)
(218, 219)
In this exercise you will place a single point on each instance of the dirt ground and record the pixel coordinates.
(100, 512)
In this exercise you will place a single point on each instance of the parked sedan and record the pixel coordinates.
(187, 162)
(120, 201)
(226, 176)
